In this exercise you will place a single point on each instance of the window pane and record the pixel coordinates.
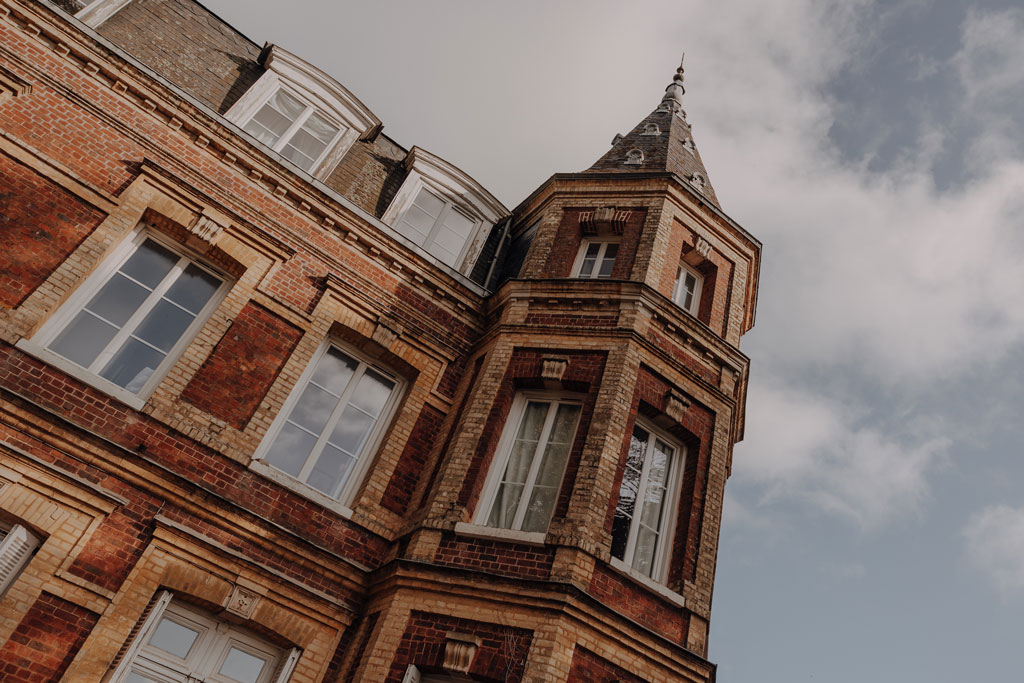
(193, 289)
(373, 392)
(351, 430)
(334, 371)
(150, 263)
(593, 249)
(313, 408)
(519, 461)
(291, 449)
(118, 299)
(587, 267)
(274, 117)
(298, 157)
(83, 340)
(505, 505)
(135, 677)
(654, 503)
(320, 128)
(429, 203)
(643, 555)
(608, 261)
(175, 638)
(242, 666)
(331, 471)
(637, 448)
(620, 533)
(133, 365)
(538, 514)
(164, 325)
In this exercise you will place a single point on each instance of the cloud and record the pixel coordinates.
(805, 447)
(876, 273)
(995, 544)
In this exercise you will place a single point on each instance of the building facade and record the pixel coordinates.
(282, 399)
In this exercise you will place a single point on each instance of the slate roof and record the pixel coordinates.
(665, 143)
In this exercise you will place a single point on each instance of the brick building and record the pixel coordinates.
(282, 398)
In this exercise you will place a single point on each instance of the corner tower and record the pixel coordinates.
(582, 483)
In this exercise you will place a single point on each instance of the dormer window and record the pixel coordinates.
(293, 128)
(443, 211)
(302, 113)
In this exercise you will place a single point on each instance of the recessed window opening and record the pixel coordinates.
(688, 288)
(331, 421)
(643, 513)
(531, 461)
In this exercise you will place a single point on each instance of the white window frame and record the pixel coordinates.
(94, 13)
(49, 331)
(16, 550)
(678, 291)
(449, 206)
(455, 188)
(313, 87)
(297, 125)
(214, 642)
(504, 451)
(577, 265)
(673, 485)
(370, 449)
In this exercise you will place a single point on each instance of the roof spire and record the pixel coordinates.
(674, 92)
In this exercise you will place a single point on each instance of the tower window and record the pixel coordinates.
(128, 323)
(527, 472)
(643, 515)
(687, 289)
(595, 259)
(330, 423)
(293, 128)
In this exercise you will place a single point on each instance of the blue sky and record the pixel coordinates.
(874, 524)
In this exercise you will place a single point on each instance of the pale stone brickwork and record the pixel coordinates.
(132, 495)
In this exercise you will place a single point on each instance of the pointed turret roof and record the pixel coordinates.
(661, 142)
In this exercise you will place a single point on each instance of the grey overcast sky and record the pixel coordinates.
(874, 525)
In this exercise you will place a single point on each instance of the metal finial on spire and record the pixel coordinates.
(674, 91)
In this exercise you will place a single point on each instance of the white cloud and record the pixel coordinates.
(995, 544)
(880, 273)
(807, 447)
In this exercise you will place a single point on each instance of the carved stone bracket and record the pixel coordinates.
(242, 602)
(459, 651)
(612, 219)
(700, 252)
(676, 404)
(553, 368)
(385, 334)
(206, 229)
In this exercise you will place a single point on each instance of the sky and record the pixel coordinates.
(874, 521)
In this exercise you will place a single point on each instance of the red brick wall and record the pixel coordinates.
(236, 376)
(40, 225)
(44, 643)
(567, 320)
(589, 668)
(82, 405)
(477, 365)
(117, 544)
(501, 656)
(413, 461)
(569, 236)
(495, 557)
(368, 623)
(626, 597)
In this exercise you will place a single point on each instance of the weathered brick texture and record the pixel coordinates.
(201, 54)
(501, 656)
(40, 225)
(411, 466)
(236, 376)
(46, 640)
(587, 667)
